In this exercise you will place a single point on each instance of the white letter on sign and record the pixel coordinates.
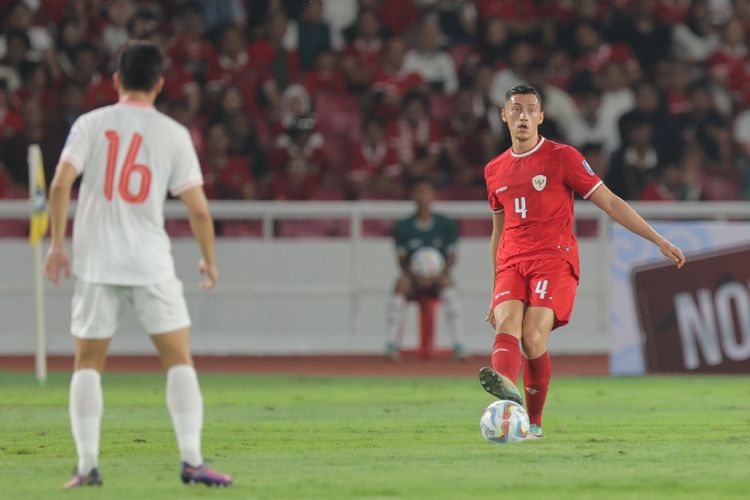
(736, 343)
(697, 328)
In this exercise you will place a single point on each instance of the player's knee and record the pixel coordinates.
(508, 323)
(534, 342)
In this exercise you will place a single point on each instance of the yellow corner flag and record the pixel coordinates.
(38, 196)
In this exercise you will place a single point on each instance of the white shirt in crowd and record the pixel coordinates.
(130, 155)
(435, 66)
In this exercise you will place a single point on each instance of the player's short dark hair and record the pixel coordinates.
(523, 90)
(140, 66)
(420, 181)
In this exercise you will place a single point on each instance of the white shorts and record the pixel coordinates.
(97, 308)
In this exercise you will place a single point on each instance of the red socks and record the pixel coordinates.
(506, 356)
(536, 375)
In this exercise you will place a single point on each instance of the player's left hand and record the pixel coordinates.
(673, 253)
(56, 262)
(210, 272)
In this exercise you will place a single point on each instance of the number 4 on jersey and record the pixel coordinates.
(541, 288)
(520, 205)
(128, 168)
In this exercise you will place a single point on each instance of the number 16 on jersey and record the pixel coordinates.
(129, 167)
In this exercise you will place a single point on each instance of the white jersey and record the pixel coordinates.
(130, 154)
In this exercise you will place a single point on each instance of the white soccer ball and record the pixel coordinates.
(504, 422)
(427, 263)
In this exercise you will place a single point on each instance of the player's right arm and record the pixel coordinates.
(202, 226)
(498, 224)
(57, 259)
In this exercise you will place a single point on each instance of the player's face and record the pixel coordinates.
(523, 114)
(424, 195)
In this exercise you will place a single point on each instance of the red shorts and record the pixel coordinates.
(539, 283)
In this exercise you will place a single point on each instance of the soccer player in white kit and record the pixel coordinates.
(130, 156)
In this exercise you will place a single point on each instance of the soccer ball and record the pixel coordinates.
(504, 422)
(427, 263)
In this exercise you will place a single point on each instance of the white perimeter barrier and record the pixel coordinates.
(319, 295)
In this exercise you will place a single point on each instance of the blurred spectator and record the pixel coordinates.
(398, 16)
(226, 176)
(10, 120)
(15, 148)
(189, 47)
(458, 20)
(467, 142)
(375, 168)
(314, 35)
(325, 76)
(278, 67)
(234, 66)
(593, 54)
(695, 39)
(414, 136)
(361, 57)
(19, 16)
(100, 90)
(297, 161)
(703, 127)
(673, 78)
(485, 107)
(339, 15)
(219, 13)
(18, 45)
(494, 42)
(429, 61)
(648, 37)
(522, 15)
(617, 98)
(728, 63)
(671, 183)
(115, 33)
(245, 143)
(648, 104)
(636, 163)
(590, 128)
(392, 80)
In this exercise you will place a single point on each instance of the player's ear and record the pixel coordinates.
(502, 115)
(116, 81)
(541, 117)
(159, 85)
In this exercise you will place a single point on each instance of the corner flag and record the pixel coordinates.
(39, 225)
(37, 195)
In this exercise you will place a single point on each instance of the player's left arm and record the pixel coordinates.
(620, 211)
(57, 260)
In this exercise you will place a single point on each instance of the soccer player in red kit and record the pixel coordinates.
(534, 253)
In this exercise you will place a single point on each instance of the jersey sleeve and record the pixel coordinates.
(578, 174)
(186, 170)
(495, 205)
(77, 145)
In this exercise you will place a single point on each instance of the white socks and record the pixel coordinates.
(185, 404)
(393, 315)
(453, 313)
(86, 407)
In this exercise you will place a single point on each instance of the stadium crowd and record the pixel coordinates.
(349, 99)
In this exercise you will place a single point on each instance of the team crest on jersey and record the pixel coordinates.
(539, 181)
(588, 167)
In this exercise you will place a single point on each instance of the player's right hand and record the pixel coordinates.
(673, 253)
(210, 273)
(57, 261)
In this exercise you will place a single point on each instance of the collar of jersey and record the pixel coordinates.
(133, 102)
(530, 151)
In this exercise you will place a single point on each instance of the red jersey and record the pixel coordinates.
(536, 190)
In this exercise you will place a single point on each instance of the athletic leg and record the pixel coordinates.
(453, 315)
(394, 315)
(86, 406)
(537, 325)
(96, 312)
(185, 403)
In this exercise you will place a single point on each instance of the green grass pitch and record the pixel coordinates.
(322, 437)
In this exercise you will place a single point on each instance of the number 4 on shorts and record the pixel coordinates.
(541, 288)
